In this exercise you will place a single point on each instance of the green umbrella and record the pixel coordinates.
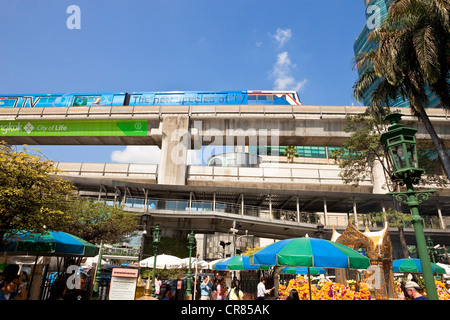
(310, 252)
(234, 263)
(53, 243)
(414, 266)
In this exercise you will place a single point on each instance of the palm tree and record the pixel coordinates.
(290, 152)
(412, 55)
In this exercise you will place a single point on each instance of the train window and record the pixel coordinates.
(251, 97)
(80, 101)
(262, 97)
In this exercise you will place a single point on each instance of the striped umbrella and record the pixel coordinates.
(302, 270)
(54, 243)
(414, 266)
(310, 252)
(234, 263)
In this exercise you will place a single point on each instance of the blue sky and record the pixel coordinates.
(166, 45)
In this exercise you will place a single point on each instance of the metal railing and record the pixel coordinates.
(220, 207)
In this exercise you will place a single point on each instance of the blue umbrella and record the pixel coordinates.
(235, 263)
(309, 252)
(302, 270)
(55, 243)
(413, 266)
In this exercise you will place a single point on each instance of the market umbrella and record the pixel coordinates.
(163, 261)
(54, 243)
(212, 263)
(195, 262)
(91, 261)
(49, 243)
(310, 252)
(446, 268)
(235, 263)
(302, 270)
(414, 266)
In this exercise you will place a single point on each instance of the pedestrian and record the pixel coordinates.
(221, 290)
(58, 289)
(236, 293)
(12, 287)
(261, 289)
(293, 295)
(413, 291)
(158, 284)
(165, 292)
(205, 288)
(80, 292)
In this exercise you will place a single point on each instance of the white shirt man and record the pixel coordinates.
(261, 289)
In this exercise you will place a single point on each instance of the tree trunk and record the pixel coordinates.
(440, 147)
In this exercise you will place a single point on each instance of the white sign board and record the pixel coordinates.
(123, 284)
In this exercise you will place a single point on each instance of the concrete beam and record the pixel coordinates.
(230, 125)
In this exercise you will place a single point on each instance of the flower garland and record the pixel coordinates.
(442, 291)
(323, 291)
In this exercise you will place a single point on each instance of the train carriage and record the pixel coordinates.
(151, 98)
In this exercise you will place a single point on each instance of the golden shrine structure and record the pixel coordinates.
(377, 247)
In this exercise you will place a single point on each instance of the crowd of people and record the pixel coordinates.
(206, 286)
(13, 288)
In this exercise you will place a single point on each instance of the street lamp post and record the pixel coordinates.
(98, 272)
(400, 144)
(156, 241)
(191, 246)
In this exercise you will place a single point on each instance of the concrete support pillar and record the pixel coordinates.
(355, 213)
(325, 211)
(270, 206)
(441, 219)
(174, 147)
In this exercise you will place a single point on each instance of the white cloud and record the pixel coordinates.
(150, 155)
(282, 71)
(137, 154)
(282, 36)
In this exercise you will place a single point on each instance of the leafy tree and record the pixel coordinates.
(356, 159)
(96, 221)
(359, 152)
(32, 197)
(249, 251)
(412, 55)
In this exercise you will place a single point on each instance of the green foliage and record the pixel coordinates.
(290, 152)
(95, 221)
(393, 217)
(411, 55)
(32, 197)
(361, 149)
(175, 246)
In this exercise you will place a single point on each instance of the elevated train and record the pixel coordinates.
(151, 98)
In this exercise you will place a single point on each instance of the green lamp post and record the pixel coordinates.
(400, 144)
(156, 241)
(98, 272)
(191, 246)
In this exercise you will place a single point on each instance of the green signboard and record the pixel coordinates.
(74, 128)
